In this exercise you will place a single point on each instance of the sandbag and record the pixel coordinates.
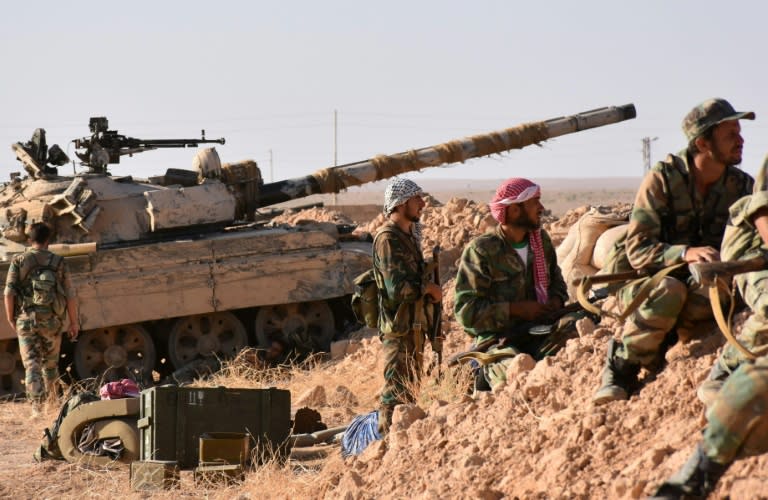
(581, 241)
(604, 244)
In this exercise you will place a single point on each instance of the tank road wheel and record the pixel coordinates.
(11, 370)
(306, 326)
(203, 335)
(114, 353)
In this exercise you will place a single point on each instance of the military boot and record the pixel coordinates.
(618, 376)
(696, 479)
(385, 419)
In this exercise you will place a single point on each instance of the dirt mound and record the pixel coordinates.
(539, 436)
(312, 214)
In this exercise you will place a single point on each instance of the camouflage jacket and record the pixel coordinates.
(491, 275)
(399, 270)
(22, 264)
(741, 239)
(669, 214)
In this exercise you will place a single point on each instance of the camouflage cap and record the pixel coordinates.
(708, 114)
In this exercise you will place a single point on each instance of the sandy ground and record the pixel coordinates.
(538, 436)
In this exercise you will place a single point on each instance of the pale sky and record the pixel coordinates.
(268, 75)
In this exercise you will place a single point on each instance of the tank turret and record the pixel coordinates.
(174, 268)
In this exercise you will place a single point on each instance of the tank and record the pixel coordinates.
(176, 267)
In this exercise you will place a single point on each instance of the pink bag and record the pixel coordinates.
(125, 388)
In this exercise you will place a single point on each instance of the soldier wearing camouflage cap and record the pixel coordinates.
(678, 217)
(404, 294)
(736, 395)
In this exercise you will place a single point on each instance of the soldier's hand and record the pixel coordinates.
(434, 291)
(74, 330)
(529, 310)
(555, 304)
(701, 254)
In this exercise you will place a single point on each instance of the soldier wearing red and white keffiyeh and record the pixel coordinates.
(508, 278)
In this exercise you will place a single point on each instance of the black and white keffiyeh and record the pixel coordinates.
(399, 191)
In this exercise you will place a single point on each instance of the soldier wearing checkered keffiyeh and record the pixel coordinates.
(509, 280)
(399, 269)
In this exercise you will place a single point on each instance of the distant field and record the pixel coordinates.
(558, 195)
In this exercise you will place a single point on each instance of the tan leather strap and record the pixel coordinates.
(484, 358)
(642, 294)
(725, 325)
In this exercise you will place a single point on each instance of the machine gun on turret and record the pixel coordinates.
(106, 146)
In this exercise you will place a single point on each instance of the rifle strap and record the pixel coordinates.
(725, 325)
(642, 294)
(484, 358)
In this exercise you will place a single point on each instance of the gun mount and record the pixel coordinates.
(106, 146)
(174, 268)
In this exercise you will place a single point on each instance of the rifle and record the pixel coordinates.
(105, 146)
(707, 273)
(544, 328)
(436, 334)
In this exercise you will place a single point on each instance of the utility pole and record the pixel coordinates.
(335, 145)
(271, 173)
(647, 153)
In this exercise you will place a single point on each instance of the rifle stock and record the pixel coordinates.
(707, 273)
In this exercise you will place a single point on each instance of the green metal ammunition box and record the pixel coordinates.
(225, 447)
(218, 474)
(172, 419)
(154, 475)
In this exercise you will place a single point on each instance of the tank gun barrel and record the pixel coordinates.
(335, 179)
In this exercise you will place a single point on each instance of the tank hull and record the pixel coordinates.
(219, 273)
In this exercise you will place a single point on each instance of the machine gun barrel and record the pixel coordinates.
(106, 146)
(169, 143)
(335, 179)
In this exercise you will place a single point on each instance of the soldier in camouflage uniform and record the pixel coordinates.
(509, 280)
(404, 292)
(737, 413)
(679, 216)
(38, 328)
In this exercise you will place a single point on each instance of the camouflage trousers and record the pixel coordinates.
(403, 360)
(754, 332)
(538, 346)
(671, 303)
(39, 345)
(737, 420)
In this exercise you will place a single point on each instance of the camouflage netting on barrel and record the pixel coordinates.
(589, 240)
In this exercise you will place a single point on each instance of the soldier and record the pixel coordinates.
(36, 321)
(678, 217)
(403, 290)
(509, 280)
(737, 414)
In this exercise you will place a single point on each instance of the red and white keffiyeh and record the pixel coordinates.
(518, 190)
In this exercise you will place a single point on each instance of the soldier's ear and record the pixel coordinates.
(703, 145)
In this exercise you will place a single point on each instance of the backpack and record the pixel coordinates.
(49, 448)
(42, 291)
(365, 297)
